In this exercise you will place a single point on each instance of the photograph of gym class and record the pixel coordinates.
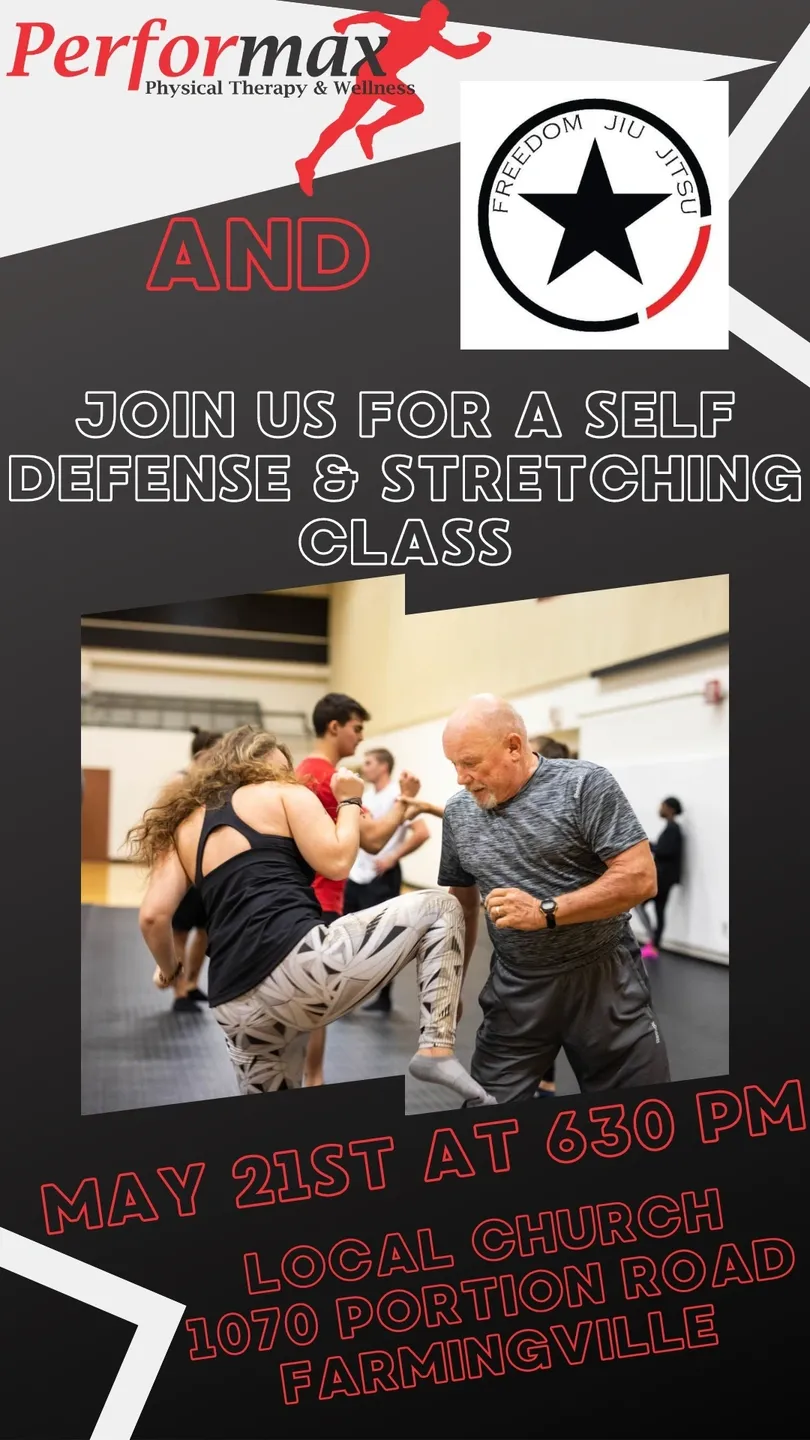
(484, 849)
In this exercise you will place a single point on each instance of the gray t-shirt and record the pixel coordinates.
(554, 836)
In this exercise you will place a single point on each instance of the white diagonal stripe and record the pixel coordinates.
(791, 352)
(155, 1316)
(758, 127)
(764, 119)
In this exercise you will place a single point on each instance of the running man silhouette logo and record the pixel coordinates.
(409, 40)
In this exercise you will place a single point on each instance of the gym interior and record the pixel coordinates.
(636, 680)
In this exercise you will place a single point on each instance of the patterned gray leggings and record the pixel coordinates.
(333, 970)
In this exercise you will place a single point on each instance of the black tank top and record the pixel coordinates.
(258, 904)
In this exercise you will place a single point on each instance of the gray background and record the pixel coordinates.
(76, 316)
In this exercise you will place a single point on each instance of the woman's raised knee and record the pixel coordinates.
(450, 906)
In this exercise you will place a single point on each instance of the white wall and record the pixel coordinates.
(654, 730)
(141, 761)
(410, 668)
(666, 740)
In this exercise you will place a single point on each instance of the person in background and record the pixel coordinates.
(338, 722)
(374, 878)
(668, 855)
(424, 807)
(551, 749)
(188, 922)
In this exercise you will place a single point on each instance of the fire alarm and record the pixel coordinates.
(713, 692)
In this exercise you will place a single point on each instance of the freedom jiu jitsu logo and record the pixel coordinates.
(667, 190)
(595, 221)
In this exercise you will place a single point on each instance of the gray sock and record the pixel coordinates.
(446, 1070)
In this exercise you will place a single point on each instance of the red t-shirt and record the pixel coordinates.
(317, 773)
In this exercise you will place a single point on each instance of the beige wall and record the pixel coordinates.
(410, 668)
(277, 687)
(140, 761)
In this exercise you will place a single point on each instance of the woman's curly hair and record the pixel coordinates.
(240, 758)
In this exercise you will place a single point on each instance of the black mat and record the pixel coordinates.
(137, 1052)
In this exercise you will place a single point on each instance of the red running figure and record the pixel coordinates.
(409, 41)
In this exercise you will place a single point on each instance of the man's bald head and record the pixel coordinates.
(487, 742)
(489, 713)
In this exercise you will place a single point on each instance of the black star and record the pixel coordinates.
(595, 219)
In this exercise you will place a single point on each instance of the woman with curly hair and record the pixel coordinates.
(250, 837)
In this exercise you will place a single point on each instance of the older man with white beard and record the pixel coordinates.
(560, 858)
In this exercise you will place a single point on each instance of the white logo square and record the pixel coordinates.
(594, 216)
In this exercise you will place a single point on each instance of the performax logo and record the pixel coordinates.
(101, 56)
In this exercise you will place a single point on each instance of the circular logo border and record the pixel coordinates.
(622, 322)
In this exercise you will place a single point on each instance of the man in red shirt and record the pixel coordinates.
(338, 722)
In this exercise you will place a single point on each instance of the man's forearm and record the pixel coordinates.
(414, 841)
(629, 880)
(423, 807)
(406, 848)
(607, 897)
(374, 834)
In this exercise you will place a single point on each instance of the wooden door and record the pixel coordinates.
(96, 814)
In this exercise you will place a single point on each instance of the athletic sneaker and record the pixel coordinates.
(649, 952)
(184, 1002)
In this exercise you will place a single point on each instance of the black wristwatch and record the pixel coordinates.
(549, 909)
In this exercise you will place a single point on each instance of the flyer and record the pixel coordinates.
(397, 409)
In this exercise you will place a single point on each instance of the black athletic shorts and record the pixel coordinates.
(363, 897)
(189, 914)
(599, 1013)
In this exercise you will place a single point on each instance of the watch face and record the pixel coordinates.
(549, 906)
